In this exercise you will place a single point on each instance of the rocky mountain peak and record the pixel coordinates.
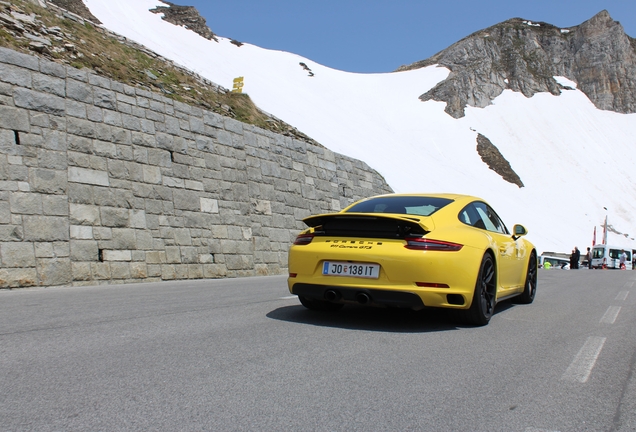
(524, 56)
(186, 16)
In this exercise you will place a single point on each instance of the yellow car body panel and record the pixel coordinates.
(440, 278)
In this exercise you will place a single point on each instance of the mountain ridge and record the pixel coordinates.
(524, 56)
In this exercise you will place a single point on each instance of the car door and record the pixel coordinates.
(510, 250)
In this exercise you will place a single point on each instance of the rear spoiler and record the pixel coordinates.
(368, 225)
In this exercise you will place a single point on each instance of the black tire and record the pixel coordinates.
(530, 287)
(319, 305)
(485, 295)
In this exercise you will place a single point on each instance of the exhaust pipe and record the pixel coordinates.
(331, 295)
(362, 298)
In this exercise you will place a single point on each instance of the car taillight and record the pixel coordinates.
(421, 243)
(304, 239)
(432, 285)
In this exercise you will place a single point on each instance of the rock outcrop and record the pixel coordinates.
(496, 161)
(77, 7)
(186, 16)
(524, 56)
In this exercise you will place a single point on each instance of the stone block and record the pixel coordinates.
(101, 233)
(124, 238)
(168, 272)
(159, 158)
(26, 203)
(84, 250)
(11, 233)
(17, 254)
(182, 237)
(173, 254)
(189, 255)
(214, 271)
(61, 249)
(152, 174)
(81, 232)
(181, 271)
(77, 74)
(154, 271)
(209, 205)
(7, 139)
(100, 270)
(104, 149)
(81, 271)
(75, 109)
(131, 122)
(55, 205)
(187, 200)
(112, 118)
(14, 75)
(5, 212)
(104, 98)
(53, 69)
(138, 270)
(22, 60)
(240, 262)
(49, 84)
(88, 176)
(173, 182)
(195, 271)
(120, 270)
(155, 257)
(94, 114)
(54, 272)
(46, 228)
(84, 214)
(79, 91)
(99, 81)
(44, 250)
(194, 185)
(145, 240)
(115, 217)
(36, 101)
(15, 119)
(138, 219)
(18, 277)
(117, 255)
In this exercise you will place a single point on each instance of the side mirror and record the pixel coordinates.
(519, 230)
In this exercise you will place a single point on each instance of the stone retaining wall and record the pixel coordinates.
(101, 182)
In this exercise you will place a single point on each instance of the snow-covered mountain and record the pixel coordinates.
(576, 161)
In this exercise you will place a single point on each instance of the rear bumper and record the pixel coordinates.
(368, 297)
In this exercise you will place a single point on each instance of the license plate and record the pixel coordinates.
(334, 268)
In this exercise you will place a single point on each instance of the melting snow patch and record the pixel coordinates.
(565, 82)
(530, 23)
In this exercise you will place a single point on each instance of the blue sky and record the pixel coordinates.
(381, 35)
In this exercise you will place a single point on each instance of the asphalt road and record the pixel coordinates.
(241, 355)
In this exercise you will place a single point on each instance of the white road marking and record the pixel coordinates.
(622, 296)
(610, 315)
(289, 297)
(581, 367)
(531, 429)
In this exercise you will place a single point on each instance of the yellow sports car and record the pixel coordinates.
(413, 251)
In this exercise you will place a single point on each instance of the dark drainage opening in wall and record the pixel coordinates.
(16, 136)
(100, 255)
(171, 156)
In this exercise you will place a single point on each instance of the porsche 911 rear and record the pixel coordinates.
(375, 259)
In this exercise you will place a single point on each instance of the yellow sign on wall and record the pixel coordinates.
(238, 85)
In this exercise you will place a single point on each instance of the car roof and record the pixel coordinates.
(452, 196)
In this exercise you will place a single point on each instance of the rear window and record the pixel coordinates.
(411, 205)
